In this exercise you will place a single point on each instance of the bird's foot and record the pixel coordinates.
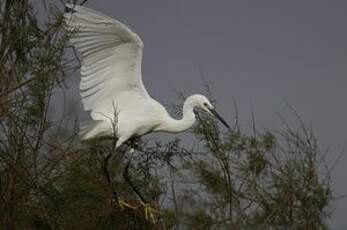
(123, 204)
(149, 212)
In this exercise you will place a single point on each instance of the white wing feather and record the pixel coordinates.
(111, 56)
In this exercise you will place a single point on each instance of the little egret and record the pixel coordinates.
(111, 83)
(111, 56)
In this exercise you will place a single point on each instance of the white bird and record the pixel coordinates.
(111, 83)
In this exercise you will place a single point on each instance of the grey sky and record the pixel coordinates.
(256, 53)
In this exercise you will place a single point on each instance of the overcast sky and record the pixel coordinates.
(256, 53)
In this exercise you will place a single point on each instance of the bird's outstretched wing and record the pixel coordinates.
(111, 56)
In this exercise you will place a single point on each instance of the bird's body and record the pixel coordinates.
(111, 84)
(133, 120)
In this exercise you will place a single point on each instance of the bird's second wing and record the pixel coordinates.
(111, 56)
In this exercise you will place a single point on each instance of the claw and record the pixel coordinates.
(123, 204)
(149, 212)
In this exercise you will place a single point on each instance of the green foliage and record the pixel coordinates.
(261, 180)
(200, 220)
(31, 65)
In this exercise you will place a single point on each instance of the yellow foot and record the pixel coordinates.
(149, 212)
(123, 204)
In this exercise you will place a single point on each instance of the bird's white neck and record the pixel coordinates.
(188, 119)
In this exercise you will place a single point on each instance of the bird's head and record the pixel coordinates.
(200, 101)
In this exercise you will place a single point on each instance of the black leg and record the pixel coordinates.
(128, 180)
(107, 168)
(126, 176)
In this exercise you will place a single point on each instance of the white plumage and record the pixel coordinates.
(111, 83)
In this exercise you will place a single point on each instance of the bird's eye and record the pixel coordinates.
(205, 104)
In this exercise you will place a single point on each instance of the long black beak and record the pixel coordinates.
(221, 119)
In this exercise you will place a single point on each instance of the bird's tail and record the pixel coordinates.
(92, 129)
